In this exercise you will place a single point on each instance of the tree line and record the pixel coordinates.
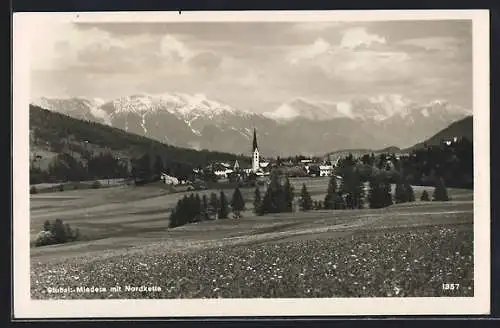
(193, 208)
(65, 167)
(421, 166)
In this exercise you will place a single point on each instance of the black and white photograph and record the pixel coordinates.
(259, 163)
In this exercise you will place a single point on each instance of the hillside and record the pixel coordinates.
(53, 133)
(462, 128)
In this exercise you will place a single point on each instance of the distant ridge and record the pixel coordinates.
(461, 128)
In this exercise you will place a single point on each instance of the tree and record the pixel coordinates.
(353, 189)
(199, 209)
(440, 191)
(257, 202)
(213, 205)
(223, 210)
(386, 194)
(409, 191)
(158, 165)
(425, 196)
(237, 203)
(46, 226)
(204, 203)
(331, 193)
(277, 195)
(267, 204)
(58, 230)
(305, 201)
(358, 190)
(289, 196)
(375, 193)
(400, 195)
(174, 218)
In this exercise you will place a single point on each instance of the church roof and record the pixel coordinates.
(254, 146)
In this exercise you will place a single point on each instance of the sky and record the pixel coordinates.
(255, 65)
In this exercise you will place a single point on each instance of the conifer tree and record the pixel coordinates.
(358, 190)
(410, 194)
(223, 209)
(213, 205)
(46, 225)
(204, 202)
(289, 195)
(174, 219)
(386, 194)
(440, 191)
(375, 193)
(267, 204)
(305, 201)
(277, 195)
(257, 202)
(400, 194)
(198, 205)
(331, 193)
(237, 203)
(425, 196)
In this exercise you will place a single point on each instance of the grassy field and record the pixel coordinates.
(403, 250)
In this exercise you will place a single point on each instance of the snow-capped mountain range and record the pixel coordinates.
(298, 126)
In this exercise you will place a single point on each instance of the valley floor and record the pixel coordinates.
(404, 250)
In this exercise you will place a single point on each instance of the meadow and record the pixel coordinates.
(405, 250)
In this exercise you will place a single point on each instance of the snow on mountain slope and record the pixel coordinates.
(175, 103)
(298, 126)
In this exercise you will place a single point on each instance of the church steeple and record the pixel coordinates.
(255, 153)
(254, 140)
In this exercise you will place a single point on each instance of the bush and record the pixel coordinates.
(56, 233)
(425, 196)
(440, 192)
(96, 185)
(33, 190)
(44, 238)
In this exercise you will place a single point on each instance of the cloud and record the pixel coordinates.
(356, 37)
(433, 43)
(174, 49)
(245, 68)
(309, 52)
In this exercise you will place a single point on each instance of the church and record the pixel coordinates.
(258, 166)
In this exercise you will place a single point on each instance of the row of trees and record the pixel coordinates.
(350, 194)
(278, 197)
(194, 208)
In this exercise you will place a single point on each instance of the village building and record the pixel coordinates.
(325, 170)
(170, 180)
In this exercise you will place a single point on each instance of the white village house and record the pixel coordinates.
(167, 179)
(325, 170)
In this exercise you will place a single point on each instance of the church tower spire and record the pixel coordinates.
(255, 153)
(254, 140)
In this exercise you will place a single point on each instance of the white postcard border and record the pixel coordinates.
(25, 307)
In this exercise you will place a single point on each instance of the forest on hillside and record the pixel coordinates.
(89, 150)
(422, 166)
